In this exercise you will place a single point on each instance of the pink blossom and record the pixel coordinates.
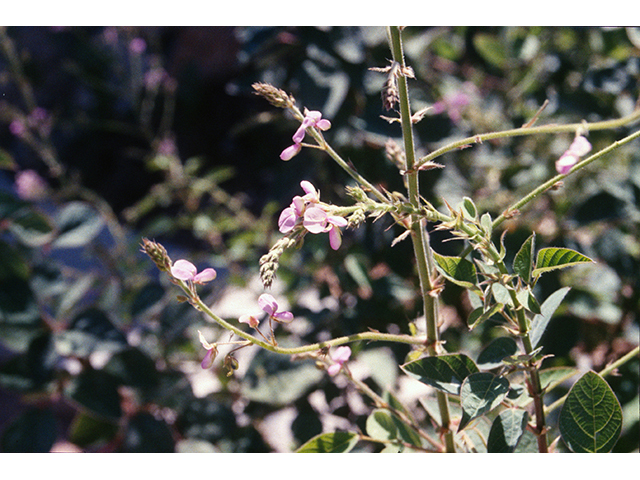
(316, 220)
(250, 320)
(340, 356)
(311, 119)
(185, 270)
(212, 351)
(290, 152)
(579, 147)
(270, 306)
(30, 185)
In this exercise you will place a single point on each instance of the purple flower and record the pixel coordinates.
(579, 147)
(212, 352)
(339, 356)
(269, 305)
(185, 270)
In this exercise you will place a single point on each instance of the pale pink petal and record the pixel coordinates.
(315, 220)
(311, 193)
(249, 320)
(287, 220)
(334, 369)
(183, 270)
(335, 238)
(566, 163)
(284, 317)
(341, 354)
(299, 135)
(580, 146)
(290, 152)
(268, 303)
(205, 276)
(208, 359)
(323, 124)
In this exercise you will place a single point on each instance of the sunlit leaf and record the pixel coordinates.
(336, 442)
(480, 393)
(506, 431)
(555, 258)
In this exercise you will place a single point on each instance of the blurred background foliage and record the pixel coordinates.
(111, 134)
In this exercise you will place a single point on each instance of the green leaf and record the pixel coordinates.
(492, 355)
(480, 393)
(384, 425)
(337, 442)
(469, 209)
(523, 261)
(78, 224)
(591, 417)
(479, 315)
(547, 309)
(97, 392)
(458, 270)
(445, 372)
(33, 431)
(491, 48)
(506, 431)
(555, 258)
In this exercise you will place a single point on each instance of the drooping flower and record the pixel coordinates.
(185, 270)
(311, 119)
(339, 356)
(579, 147)
(268, 304)
(317, 220)
(212, 351)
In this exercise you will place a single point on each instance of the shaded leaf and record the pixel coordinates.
(547, 309)
(445, 372)
(591, 417)
(384, 425)
(97, 392)
(480, 393)
(506, 431)
(479, 315)
(336, 442)
(77, 224)
(492, 355)
(34, 431)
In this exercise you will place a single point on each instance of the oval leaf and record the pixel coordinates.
(384, 425)
(445, 372)
(555, 258)
(591, 417)
(491, 357)
(506, 431)
(458, 270)
(337, 442)
(479, 394)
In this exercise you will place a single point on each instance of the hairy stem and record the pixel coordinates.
(420, 237)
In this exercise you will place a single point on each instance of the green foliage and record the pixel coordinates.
(591, 417)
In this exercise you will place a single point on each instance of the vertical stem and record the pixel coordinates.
(419, 234)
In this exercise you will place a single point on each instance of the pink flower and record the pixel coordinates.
(579, 147)
(269, 305)
(316, 220)
(315, 217)
(212, 352)
(250, 320)
(311, 119)
(185, 270)
(340, 356)
(30, 185)
(290, 152)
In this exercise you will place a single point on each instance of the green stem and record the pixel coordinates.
(420, 237)
(550, 183)
(543, 129)
(314, 347)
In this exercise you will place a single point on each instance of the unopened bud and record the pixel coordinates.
(275, 96)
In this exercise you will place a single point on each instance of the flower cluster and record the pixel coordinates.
(314, 217)
(269, 305)
(579, 147)
(311, 119)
